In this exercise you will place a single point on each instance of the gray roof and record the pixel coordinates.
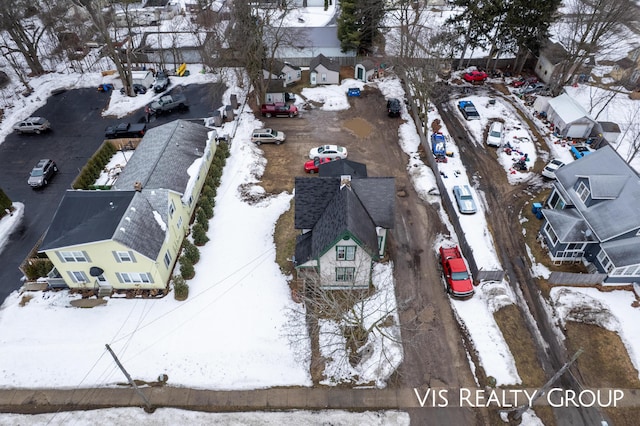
(344, 215)
(554, 52)
(163, 157)
(313, 195)
(324, 61)
(124, 216)
(368, 64)
(569, 226)
(614, 185)
(623, 252)
(342, 167)
(86, 216)
(317, 37)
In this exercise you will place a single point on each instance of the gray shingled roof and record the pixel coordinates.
(326, 62)
(86, 216)
(569, 226)
(608, 218)
(312, 195)
(342, 167)
(139, 229)
(163, 157)
(303, 248)
(368, 64)
(377, 195)
(623, 252)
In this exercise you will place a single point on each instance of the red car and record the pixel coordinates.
(313, 166)
(475, 76)
(524, 81)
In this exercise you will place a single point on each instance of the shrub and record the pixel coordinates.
(180, 287)
(205, 204)
(36, 268)
(186, 268)
(191, 252)
(5, 202)
(199, 235)
(209, 192)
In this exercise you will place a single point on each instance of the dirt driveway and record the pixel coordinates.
(434, 352)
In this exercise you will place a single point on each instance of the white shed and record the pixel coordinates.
(569, 118)
(144, 78)
(364, 70)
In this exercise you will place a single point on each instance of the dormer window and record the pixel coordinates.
(583, 192)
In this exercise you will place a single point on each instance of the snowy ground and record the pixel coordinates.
(230, 332)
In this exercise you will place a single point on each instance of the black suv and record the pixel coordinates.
(42, 173)
(393, 107)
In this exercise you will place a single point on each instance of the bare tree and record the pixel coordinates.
(591, 26)
(631, 135)
(113, 50)
(349, 328)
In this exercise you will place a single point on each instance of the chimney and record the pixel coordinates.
(137, 186)
(345, 180)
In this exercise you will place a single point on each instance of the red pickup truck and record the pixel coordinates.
(457, 278)
(279, 109)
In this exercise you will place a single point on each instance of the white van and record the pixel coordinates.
(495, 135)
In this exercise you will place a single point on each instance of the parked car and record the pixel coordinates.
(125, 130)
(579, 151)
(168, 103)
(393, 107)
(475, 76)
(313, 166)
(464, 199)
(260, 136)
(549, 170)
(138, 89)
(532, 88)
(32, 125)
(522, 81)
(42, 173)
(278, 109)
(495, 135)
(468, 110)
(328, 151)
(162, 82)
(457, 278)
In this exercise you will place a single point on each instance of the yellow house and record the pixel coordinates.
(128, 238)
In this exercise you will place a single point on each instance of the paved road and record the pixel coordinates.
(78, 131)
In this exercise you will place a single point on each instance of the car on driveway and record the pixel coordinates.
(495, 135)
(464, 199)
(42, 173)
(579, 151)
(549, 170)
(328, 151)
(532, 88)
(475, 76)
(162, 82)
(260, 136)
(138, 89)
(468, 110)
(313, 166)
(394, 107)
(32, 125)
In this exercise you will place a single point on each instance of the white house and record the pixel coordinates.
(365, 70)
(569, 118)
(323, 70)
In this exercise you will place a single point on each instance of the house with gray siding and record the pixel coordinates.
(323, 70)
(592, 216)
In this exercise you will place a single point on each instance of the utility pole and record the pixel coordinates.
(149, 408)
(517, 413)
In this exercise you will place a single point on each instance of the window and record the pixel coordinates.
(179, 224)
(134, 277)
(604, 260)
(345, 274)
(124, 256)
(583, 192)
(167, 259)
(78, 277)
(323, 77)
(346, 253)
(73, 256)
(172, 208)
(552, 235)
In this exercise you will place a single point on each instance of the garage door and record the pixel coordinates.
(579, 130)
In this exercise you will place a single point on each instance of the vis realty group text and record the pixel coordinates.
(512, 398)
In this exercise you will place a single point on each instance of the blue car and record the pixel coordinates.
(579, 151)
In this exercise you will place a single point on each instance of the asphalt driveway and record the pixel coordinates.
(78, 131)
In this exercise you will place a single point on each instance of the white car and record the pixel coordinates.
(549, 170)
(494, 137)
(328, 151)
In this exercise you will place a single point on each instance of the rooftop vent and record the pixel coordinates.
(137, 186)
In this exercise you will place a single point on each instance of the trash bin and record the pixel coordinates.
(536, 208)
(217, 118)
(228, 113)
(234, 101)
